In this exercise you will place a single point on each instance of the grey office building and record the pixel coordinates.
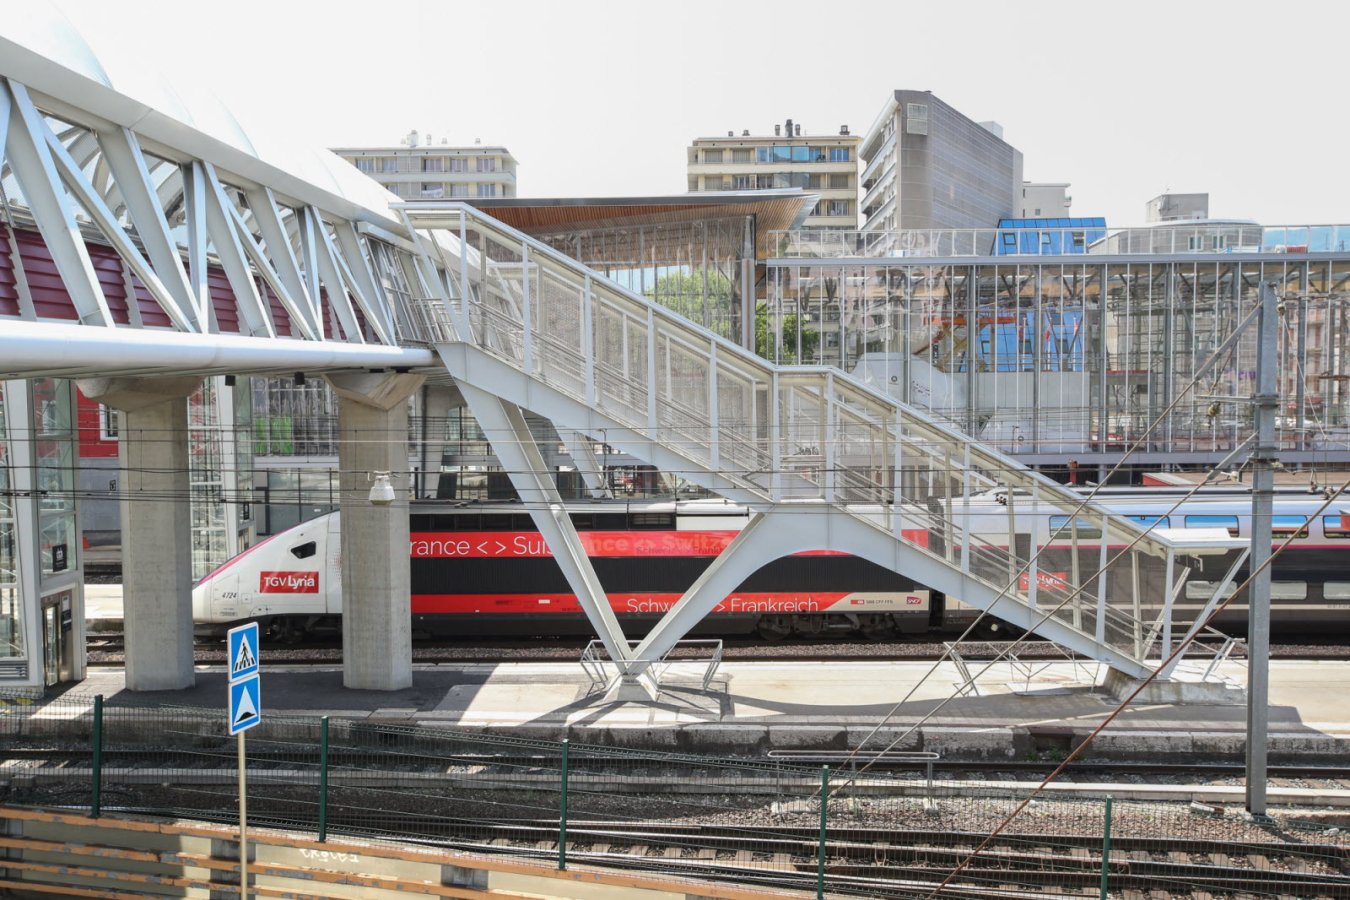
(925, 165)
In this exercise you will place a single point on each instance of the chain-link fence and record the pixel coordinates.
(756, 822)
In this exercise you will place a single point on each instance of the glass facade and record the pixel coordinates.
(54, 457)
(1081, 357)
(11, 609)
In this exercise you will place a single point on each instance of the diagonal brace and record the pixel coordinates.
(514, 445)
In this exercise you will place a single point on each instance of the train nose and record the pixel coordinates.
(214, 598)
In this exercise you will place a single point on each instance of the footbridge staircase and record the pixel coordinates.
(824, 461)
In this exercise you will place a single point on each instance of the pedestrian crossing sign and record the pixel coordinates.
(245, 704)
(242, 656)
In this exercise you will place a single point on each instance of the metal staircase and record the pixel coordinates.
(826, 461)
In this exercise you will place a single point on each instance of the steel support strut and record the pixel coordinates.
(506, 429)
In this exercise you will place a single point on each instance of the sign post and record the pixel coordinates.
(245, 711)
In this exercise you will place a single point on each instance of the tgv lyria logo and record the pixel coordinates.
(288, 582)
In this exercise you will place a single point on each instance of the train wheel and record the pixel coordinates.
(774, 628)
(877, 627)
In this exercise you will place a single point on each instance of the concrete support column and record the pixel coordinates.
(376, 613)
(156, 526)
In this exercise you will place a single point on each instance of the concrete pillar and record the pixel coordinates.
(376, 613)
(156, 526)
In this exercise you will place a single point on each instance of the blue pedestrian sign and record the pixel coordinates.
(245, 704)
(243, 651)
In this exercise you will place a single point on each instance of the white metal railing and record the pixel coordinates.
(780, 434)
(1170, 238)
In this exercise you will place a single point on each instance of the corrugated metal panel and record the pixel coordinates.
(9, 282)
(280, 319)
(50, 299)
(222, 300)
(108, 269)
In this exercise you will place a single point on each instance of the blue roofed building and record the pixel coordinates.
(1048, 237)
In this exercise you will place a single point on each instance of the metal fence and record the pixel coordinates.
(755, 822)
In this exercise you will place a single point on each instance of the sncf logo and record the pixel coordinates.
(289, 582)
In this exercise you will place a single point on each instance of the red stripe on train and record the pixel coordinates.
(426, 604)
(530, 545)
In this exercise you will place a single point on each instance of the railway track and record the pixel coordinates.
(108, 649)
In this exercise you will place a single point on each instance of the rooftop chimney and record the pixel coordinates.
(778, 131)
(798, 132)
(745, 133)
(843, 129)
(411, 139)
(788, 128)
(731, 134)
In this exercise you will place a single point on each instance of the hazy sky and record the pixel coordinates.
(1243, 100)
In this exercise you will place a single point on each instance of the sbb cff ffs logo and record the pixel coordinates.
(289, 582)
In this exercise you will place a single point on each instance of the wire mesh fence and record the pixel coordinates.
(756, 822)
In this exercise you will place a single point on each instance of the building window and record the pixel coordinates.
(715, 183)
(712, 156)
(1219, 242)
(432, 191)
(459, 190)
(487, 164)
(839, 208)
(743, 183)
(487, 190)
(433, 164)
(459, 165)
(107, 423)
(840, 182)
(840, 154)
(742, 156)
(366, 165)
(389, 164)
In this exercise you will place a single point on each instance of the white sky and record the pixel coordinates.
(1243, 100)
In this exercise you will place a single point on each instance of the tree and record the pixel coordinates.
(703, 296)
(787, 351)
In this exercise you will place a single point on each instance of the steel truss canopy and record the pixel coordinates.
(200, 246)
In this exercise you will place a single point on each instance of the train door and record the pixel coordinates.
(58, 661)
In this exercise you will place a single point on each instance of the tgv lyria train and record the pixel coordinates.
(482, 568)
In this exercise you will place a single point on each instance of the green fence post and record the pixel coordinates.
(323, 779)
(562, 813)
(96, 801)
(1106, 847)
(824, 824)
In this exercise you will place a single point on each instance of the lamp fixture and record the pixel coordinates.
(382, 491)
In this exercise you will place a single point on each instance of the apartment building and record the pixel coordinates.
(420, 169)
(1045, 200)
(826, 165)
(928, 166)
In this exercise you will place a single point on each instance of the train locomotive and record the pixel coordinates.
(483, 569)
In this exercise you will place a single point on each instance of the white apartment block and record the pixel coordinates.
(418, 169)
(1045, 200)
(826, 165)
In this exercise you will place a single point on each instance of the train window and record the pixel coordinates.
(1288, 590)
(583, 521)
(519, 522)
(1151, 521)
(1086, 530)
(652, 520)
(611, 522)
(1203, 590)
(1283, 526)
(1229, 522)
(1336, 590)
(305, 551)
(1336, 526)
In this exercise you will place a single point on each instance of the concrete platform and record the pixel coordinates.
(1016, 713)
(751, 708)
